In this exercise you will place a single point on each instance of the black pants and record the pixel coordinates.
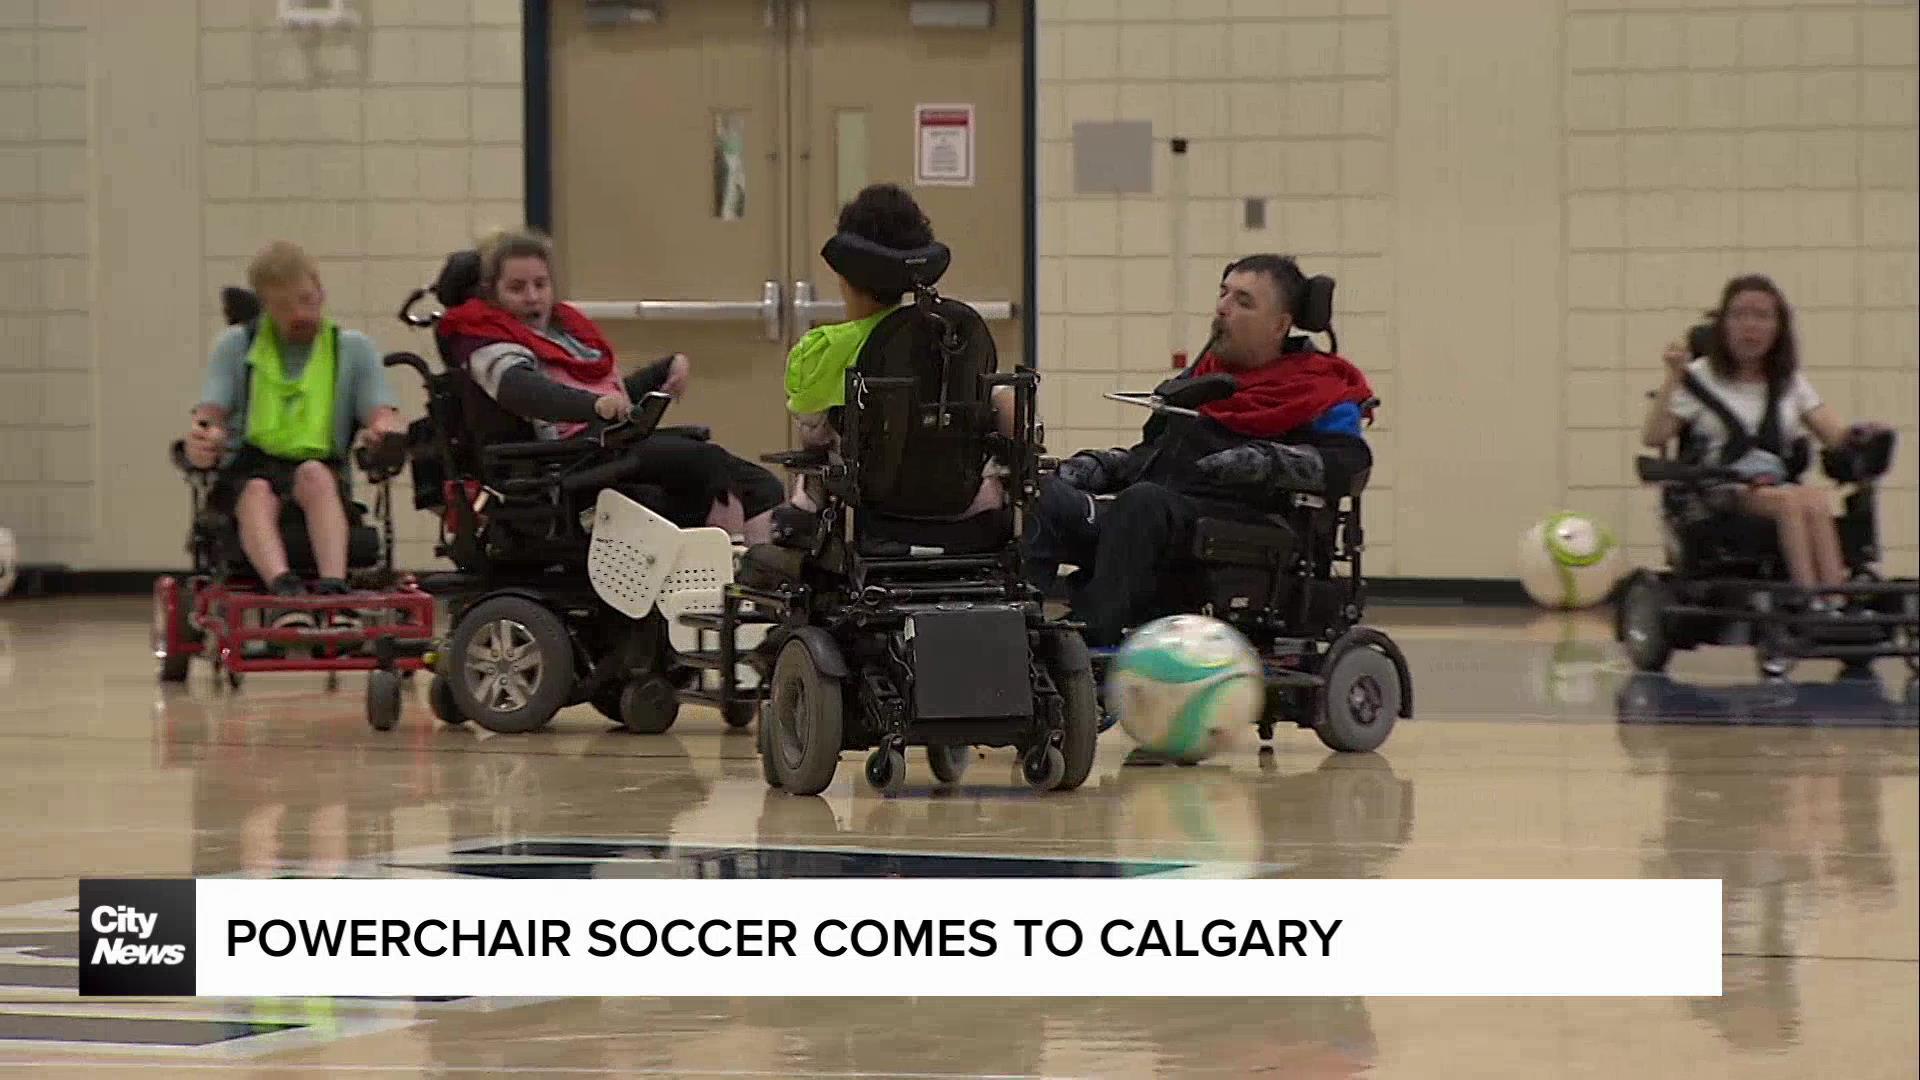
(1119, 544)
(694, 474)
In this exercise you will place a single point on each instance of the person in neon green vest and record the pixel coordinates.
(816, 375)
(285, 399)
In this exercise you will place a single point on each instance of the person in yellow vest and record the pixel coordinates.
(286, 398)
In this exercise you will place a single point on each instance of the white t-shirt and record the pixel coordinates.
(1748, 401)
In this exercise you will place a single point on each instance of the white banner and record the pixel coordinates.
(957, 938)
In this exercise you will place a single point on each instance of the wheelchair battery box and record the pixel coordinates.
(970, 663)
(1243, 543)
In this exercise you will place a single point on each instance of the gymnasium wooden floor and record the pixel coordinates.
(1533, 754)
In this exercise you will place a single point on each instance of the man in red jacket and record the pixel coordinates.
(1294, 423)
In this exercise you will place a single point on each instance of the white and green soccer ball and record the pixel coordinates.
(1184, 685)
(1569, 561)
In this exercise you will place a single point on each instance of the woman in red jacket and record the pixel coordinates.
(542, 360)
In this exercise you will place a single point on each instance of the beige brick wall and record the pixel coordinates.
(1777, 139)
(1517, 229)
(164, 143)
(46, 365)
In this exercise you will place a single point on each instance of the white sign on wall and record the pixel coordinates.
(943, 145)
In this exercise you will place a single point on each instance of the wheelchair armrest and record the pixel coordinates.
(1653, 470)
(797, 459)
(1859, 460)
(383, 460)
(543, 450)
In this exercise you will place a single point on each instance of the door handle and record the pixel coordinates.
(809, 310)
(765, 310)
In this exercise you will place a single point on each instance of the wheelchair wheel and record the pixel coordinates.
(441, 700)
(1072, 671)
(170, 629)
(649, 706)
(513, 665)
(383, 700)
(804, 721)
(949, 763)
(1643, 623)
(1360, 700)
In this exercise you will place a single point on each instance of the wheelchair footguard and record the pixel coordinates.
(1660, 613)
(227, 623)
(1350, 692)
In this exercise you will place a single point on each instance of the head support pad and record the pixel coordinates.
(459, 278)
(239, 305)
(885, 272)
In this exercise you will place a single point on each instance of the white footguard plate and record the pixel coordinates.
(639, 559)
(632, 553)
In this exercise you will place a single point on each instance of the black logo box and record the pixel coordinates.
(142, 969)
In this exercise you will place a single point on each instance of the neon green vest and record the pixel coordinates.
(817, 366)
(292, 419)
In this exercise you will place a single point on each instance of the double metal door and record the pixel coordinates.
(702, 150)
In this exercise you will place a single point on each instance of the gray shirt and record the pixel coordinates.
(360, 385)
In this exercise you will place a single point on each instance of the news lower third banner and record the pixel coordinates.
(796, 937)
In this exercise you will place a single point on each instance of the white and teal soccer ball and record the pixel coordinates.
(9, 561)
(1569, 561)
(1183, 685)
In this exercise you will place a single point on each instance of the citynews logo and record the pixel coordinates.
(136, 938)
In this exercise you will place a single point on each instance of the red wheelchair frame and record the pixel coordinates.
(204, 613)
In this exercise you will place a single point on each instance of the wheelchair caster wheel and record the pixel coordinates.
(740, 713)
(383, 700)
(949, 763)
(649, 706)
(440, 700)
(1043, 767)
(886, 771)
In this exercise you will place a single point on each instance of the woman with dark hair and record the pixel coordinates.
(544, 361)
(1752, 368)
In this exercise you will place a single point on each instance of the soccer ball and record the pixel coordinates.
(1569, 561)
(1182, 685)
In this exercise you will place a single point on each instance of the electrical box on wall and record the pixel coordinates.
(316, 14)
(623, 12)
(951, 14)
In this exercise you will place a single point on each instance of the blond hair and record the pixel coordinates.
(281, 264)
(503, 244)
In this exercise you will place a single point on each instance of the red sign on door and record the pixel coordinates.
(943, 145)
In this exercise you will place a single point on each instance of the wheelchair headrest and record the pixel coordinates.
(239, 305)
(1700, 336)
(885, 272)
(1313, 305)
(459, 279)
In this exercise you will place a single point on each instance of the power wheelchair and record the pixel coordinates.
(220, 610)
(894, 621)
(564, 589)
(1727, 582)
(1287, 574)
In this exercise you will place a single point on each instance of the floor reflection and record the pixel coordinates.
(1790, 819)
